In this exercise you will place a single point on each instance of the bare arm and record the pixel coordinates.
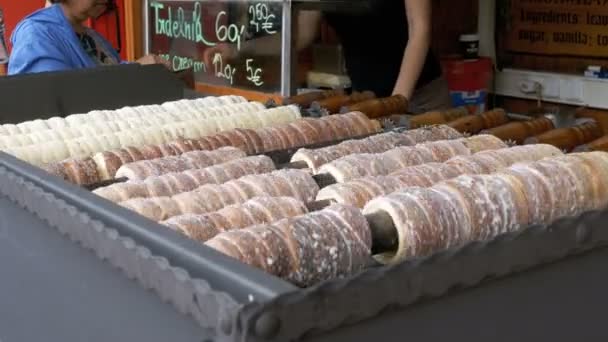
(414, 56)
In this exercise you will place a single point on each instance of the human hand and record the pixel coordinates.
(226, 51)
(154, 59)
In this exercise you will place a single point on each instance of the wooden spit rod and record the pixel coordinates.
(384, 233)
(600, 144)
(519, 131)
(376, 108)
(333, 104)
(436, 117)
(568, 138)
(473, 124)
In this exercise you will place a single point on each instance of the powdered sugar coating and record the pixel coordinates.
(212, 197)
(358, 192)
(258, 210)
(485, 206)
(446, 215)
(356, 166)
(177, 182)
(80, 170)
(595, 171)
(375, 144)
(305, 250)
(187, 161)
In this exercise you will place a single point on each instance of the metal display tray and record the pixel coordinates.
(251, 305)
(77, 295)
(53, 289)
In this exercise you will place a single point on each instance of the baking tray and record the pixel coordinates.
(237, 302)
(254, 306)
(52, 289)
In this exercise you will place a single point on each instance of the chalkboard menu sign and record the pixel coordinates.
(215, 40)
(556, 27)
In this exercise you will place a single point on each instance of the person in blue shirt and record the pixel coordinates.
(55, 38)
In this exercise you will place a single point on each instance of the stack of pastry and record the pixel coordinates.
(377, 164)
(480, 207)
(212, 197)
(188, 161)
(93, 170)
(172, 183)
(39, 154)
(258, 210)
(175, 110)
(315, 158)
(304, 250)
(312, 131)
(358, 192)
(295, 134)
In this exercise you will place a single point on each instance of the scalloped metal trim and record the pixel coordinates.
(189, 296)
(343, 302)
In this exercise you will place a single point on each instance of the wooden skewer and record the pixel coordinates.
(473, 124)
(600, 144)
(519, 131)
(600, 116)
(376, 108)
(333, 104)
(568, 138)
(436, 118)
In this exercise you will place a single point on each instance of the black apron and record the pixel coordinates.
(374, 42)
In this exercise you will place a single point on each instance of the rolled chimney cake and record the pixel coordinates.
(212, 197)
(93, 128)
(373, 144)
(39, 154)
(304, 250)
(187, 161)
(98, 117)
(377, 164)
(256, 211)
(359, 191)
(251, 141)
(173, 183)
(480, 207)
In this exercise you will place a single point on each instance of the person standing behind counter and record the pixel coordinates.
(55, 39)
(386, 50)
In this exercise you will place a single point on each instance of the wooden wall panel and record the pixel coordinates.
(451, 19)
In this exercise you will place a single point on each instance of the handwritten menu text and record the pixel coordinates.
(191, 21)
